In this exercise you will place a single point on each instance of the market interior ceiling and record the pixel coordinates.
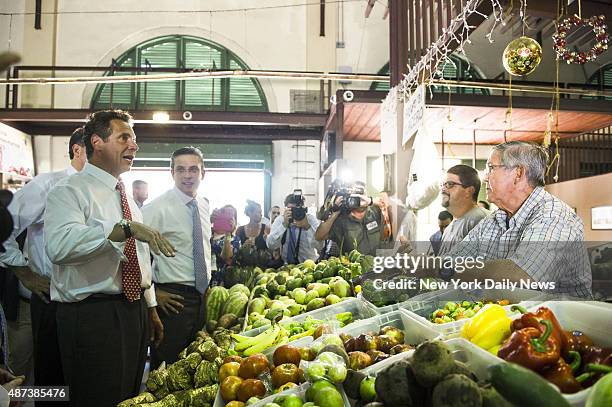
(482, 116)
(479, 118)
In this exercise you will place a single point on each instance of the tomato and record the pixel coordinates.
(253, 366)
(232, 358)
(228, 369)
(229, 388)
(287, 354)
(285, 373)
(251, 388)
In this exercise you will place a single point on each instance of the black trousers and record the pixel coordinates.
(179, 329)
(103, 345)
(47, 361)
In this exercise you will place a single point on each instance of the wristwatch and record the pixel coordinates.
(125, 225)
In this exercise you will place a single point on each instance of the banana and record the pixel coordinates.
(253, 340)
(264, 343)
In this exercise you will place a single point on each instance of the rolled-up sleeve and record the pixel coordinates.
(149, 295)
(69, 239)
(26, 208)
(276, 234)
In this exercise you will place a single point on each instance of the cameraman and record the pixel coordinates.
(294, 232)
(355, 222)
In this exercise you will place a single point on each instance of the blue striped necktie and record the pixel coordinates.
(199, 263)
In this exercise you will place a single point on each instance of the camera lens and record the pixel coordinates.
(298, 213)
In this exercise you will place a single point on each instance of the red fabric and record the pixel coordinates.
(130, 270)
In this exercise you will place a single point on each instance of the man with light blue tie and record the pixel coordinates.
(183, 218)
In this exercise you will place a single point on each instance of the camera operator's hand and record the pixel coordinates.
(303, 224)
(365, 200)
(337, 203)
(287, 217)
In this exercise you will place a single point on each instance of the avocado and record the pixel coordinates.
(352, 382)
(432, 362)
(400, 375)
(456, 390)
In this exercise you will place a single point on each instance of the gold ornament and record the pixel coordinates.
(522, 56)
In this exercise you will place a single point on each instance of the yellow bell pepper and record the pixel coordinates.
(489, 328)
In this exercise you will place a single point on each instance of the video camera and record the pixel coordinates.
(298, 212)
(350, 192)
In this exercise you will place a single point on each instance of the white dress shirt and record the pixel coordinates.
(27, 209)
(170, 215)
(82, 211)
(308, 244)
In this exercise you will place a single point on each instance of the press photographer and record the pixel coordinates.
(294, 231)
(351, 219)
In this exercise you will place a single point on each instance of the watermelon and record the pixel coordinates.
(214, 302)
(240, 288)
(236, 304)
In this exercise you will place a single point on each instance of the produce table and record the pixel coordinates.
(347, 351)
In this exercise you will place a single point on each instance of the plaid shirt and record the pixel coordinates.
(545, 238)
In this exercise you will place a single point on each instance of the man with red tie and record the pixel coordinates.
(106, 313)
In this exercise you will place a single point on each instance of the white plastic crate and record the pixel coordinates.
(357, 306)
(592, 318)
(424, 305)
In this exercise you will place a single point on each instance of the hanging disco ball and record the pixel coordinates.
(522, 56)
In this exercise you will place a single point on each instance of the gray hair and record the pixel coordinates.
(530, 156)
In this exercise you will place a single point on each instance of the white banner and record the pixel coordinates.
(414, 114)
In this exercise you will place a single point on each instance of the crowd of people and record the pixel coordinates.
(104, 276)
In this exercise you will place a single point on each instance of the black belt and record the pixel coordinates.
(182, 288)
(102, 296)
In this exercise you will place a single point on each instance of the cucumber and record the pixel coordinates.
(524, 387)
(601, 393)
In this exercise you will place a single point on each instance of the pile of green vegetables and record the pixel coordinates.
(192, 381)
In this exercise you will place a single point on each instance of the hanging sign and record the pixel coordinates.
(414, 113)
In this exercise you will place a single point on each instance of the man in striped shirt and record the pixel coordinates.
(533, 235)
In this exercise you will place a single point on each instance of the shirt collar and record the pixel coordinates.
(71, 170)
(107, 179)
(183, 197)
(527, 207)
(523, 212)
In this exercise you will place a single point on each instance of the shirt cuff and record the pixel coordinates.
(107, 227)
(149, 295)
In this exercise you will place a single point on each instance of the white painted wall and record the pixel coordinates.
(355, 153)
(51, 153)
(289, 175)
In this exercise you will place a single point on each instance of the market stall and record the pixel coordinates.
(313, 343)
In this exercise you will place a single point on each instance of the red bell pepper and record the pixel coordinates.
(530, 319)
(531, 348)
(577, 341)
(561, 374)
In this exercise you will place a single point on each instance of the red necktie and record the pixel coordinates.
(130, 270)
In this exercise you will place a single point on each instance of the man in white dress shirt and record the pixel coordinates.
(100, 249)
(183, 218)
(294, 232)
(33, 269)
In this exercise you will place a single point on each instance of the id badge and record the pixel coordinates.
(371, 225)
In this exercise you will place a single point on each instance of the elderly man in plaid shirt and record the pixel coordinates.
(534, 235)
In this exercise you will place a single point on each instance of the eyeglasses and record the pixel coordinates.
(491, 167)
(450, 184)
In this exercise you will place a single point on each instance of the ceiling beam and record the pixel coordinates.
(77, 116)
(171, 132)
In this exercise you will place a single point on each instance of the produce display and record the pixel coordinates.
(455, 311)
(568, 359)
(192, 381)
(489, 329)
(284, 333)
(428, 377)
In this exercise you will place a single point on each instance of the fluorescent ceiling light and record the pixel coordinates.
(161, 117)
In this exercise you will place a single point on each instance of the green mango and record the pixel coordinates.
(315, 304)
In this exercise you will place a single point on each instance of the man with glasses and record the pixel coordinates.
(182, 216)
(533, 235)
(459, 196)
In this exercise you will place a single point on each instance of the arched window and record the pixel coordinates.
(176, 51)
(455, 68)
(603, 79)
